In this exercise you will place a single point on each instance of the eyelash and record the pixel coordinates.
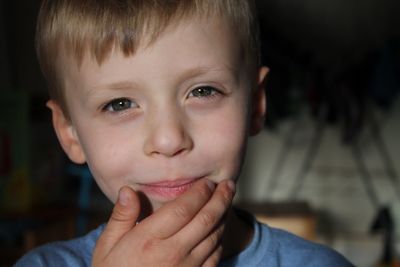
(205, 92)
(121, 102)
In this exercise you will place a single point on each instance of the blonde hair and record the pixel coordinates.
(78, 27)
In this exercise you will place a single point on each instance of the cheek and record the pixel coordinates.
(223, 142)
(110, 159)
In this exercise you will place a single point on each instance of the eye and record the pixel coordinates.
(204, 91)
(119, 104)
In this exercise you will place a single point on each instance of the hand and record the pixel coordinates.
(184, 232)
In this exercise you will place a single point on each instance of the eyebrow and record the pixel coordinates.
(117, 86)
(198, 71)
(120, 85)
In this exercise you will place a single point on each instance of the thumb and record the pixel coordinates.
(123, 218)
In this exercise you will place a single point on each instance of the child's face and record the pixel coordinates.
(175, 112)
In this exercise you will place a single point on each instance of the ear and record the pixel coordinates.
(66, 133)
(259, 103)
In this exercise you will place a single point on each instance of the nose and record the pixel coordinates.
(167, 135)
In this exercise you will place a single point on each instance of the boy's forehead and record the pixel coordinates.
(192, 33)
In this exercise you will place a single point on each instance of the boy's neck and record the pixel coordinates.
(238, 235)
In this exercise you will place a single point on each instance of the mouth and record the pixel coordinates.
(168, 189)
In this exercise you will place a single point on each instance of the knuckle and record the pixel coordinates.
(182, 211)
(176, 256)
(207, 218)
(150, 245)
(119, 216)
(213, 240)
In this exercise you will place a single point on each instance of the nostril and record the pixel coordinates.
(180, 151)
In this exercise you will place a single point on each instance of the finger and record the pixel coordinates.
(123, 218)
(214, 258)
(207, 219)
(208, 247)
(174, 215)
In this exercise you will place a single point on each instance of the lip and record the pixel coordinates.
(168, 189)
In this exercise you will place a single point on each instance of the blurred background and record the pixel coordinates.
(326, 166)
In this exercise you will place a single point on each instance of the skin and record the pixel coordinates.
(168, 123)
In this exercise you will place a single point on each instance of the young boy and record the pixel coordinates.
(158, 98)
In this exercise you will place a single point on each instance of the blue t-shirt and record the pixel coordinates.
(269, 247)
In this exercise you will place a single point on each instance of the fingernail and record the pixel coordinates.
(211, 185)
(232, 186)
(123, 197)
